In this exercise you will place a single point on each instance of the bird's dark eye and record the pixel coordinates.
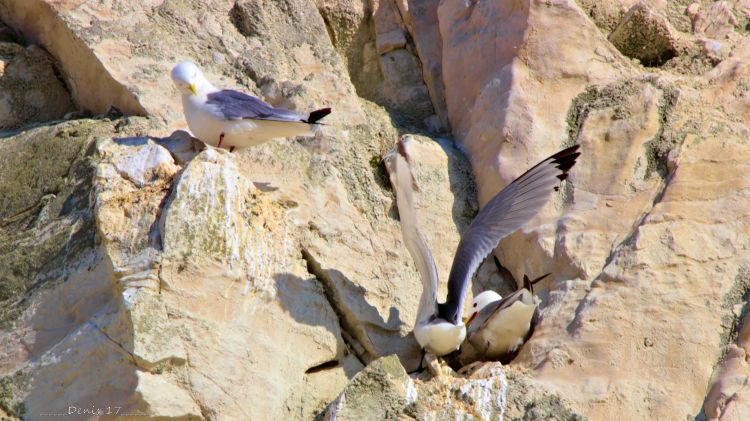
(475, 304)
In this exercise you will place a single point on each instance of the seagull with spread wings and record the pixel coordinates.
(232, 119)
(439, 328)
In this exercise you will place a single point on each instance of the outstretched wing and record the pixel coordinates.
(397, 164)
(235, 105)
(510, 209)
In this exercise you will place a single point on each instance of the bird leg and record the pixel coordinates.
(433, 364)
(221, 139)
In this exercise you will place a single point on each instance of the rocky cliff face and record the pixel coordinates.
(141, 274)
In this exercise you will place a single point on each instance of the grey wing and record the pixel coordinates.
(532, 324)
(402, 181)
(235, 105)
(508, 211)
(490, 309)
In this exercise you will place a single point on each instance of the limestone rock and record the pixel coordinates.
(404, 89)
(351, 29)
(716, 21)
(658, 251)
(144, 165)
(55, 26)
(207, 286)
(61, 307)
(420, 17)
(31, 89)
(165, 398)
(45, 219)
(390, 41)
(429, 158)
(235, 245)
(389, 27)
(725, 399)
(383, 390)
(645, 35)
(193, 278)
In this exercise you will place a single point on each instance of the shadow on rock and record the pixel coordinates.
(306, 302)
(346, 312)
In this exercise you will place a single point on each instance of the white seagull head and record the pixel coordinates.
(481, 301)
(188, 78)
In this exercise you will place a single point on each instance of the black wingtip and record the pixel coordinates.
(565, 159)
(529, 284)
(317, 115)
(570, 150)
(535, 281)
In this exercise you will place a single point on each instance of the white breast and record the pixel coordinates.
(504, 331)
(203, 125)
(440, 337)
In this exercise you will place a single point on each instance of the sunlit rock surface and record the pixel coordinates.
(142, 271)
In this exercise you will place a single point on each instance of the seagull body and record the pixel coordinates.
(435, 335)
(438, 336)
(229, 119)
(506, 332)
(439, 328)
(499, 326)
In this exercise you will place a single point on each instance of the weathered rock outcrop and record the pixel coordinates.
(138, 272)
(650, 258)
(31, 90)
(208, 284)
(384, 391)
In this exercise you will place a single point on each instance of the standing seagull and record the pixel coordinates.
(229, 119)
(498, 326)
(439, 329)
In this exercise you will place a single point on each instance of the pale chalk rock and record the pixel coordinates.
(647, 226)
(390, 41)
(30, 89)
(725, 399)
(213, 262)
(420, 17)
(646, 239)
(403, 87)
(143, 165)
(209, 290)
(716, 20)
(165, 398)
(233, 283)
(72, 319)
(645, 35)
(383, 390)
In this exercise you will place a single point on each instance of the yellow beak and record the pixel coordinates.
(192, 89)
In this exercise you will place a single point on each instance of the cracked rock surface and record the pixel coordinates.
(140, 271)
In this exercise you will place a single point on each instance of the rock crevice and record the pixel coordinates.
(91, 84)
(354, 337)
